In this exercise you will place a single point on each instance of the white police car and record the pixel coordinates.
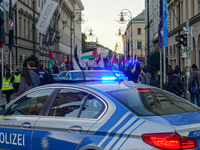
(99, 115)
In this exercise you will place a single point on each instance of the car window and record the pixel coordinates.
(31, 104)
(152, 102)
(92, 108)
(62, 74)
(68, 103)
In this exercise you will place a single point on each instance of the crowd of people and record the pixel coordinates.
(139, 75)
(29, 77)
(175, 76)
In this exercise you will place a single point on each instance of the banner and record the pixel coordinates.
(53, 38)
(6, 4)
(47, 38)
(165, 28)
(11, 28)
(160, 25)
(2, 33)
(46, 16)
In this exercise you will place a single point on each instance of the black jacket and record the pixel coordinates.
(44, 77)
(129, 74)
(175, 85)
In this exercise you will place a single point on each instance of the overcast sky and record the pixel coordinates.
(102, 16)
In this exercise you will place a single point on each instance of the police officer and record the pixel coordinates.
(158, 74)
(7, 87)
(43, 75)
(16, 79)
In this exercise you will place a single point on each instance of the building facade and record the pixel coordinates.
(138, 34)
(153, 4)
(179, 11)
(68, 32)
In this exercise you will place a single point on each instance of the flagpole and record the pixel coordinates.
(10, 62)
(2, 65)
(160, 68)
(164, 74)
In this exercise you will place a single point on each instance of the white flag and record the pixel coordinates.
(46, 16)
(101, 62)
(6, 4)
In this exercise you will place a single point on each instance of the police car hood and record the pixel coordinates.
(176, 119)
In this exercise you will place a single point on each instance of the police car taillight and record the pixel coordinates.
(169, 141)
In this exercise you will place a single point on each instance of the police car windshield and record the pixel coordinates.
(152, 102)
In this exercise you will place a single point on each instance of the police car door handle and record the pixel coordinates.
(26, 125)
(75, 129)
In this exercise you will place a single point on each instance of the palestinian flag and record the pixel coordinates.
(63, 62)
(77, 65)
(51, 60)
(91, 54)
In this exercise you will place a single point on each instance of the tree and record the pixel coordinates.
(31, 58)
(153, 62)
(84, 43)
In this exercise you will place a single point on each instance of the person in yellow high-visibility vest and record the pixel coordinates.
(16, 80)
(7, 87)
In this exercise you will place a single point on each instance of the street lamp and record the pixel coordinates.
(117, 46)
(76, 17)
(88, 31)
(122, 20)
(121, 31)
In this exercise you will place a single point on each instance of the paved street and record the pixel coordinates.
(3, 98)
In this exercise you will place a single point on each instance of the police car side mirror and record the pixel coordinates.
(2, 110)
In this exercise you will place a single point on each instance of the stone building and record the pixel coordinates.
(67, 27)
(189, 11)
(180, 11)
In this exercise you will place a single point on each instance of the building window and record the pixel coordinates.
(20, 26)
(7, 22)
(39, 3)
(29, 29)
(25, 28)
(139, 45)
(139, 31)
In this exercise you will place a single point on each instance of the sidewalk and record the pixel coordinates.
(3, 98)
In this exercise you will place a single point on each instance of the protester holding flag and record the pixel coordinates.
(2, 33)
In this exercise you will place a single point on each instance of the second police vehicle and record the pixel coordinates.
(100, 112)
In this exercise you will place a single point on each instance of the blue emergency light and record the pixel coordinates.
(109, 78)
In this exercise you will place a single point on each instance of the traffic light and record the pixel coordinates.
(182, 41)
